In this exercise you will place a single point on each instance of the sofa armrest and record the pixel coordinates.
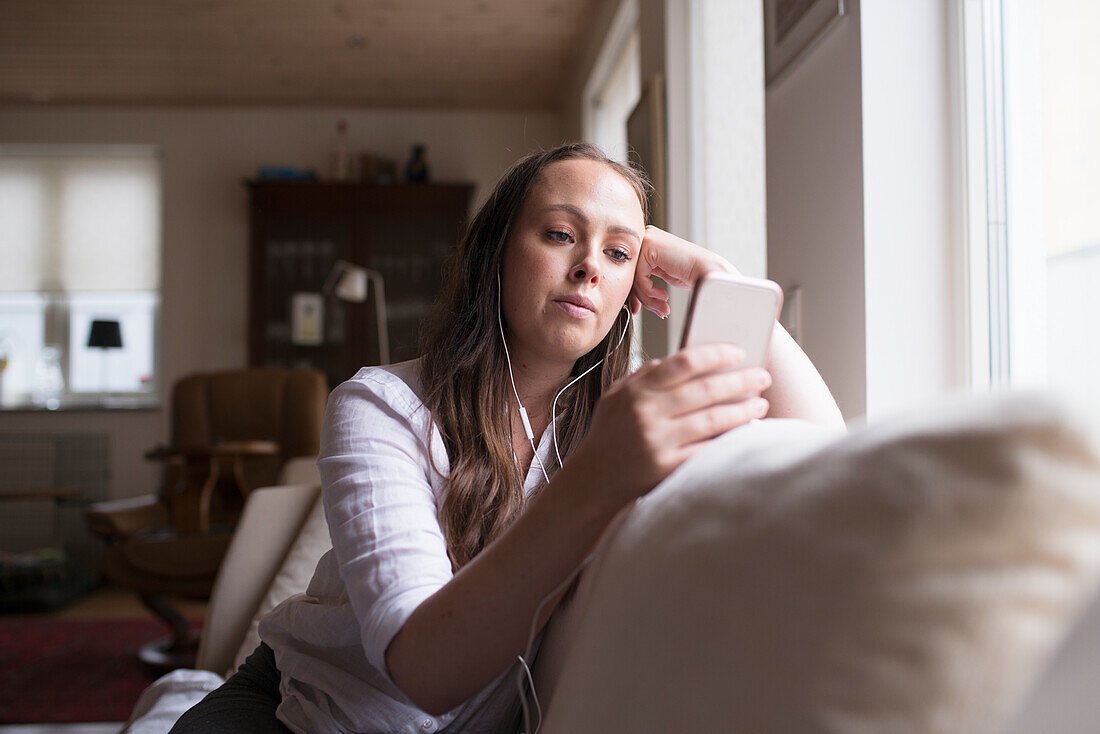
(300, 470)
(268, 526)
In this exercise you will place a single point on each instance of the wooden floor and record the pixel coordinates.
(111, 602)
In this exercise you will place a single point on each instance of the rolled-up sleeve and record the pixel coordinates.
(381, 509)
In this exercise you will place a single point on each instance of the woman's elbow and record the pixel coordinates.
(415, 681)
(423, 695)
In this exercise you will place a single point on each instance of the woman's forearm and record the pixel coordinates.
(643, 428)
(472, 629)
(797, 389)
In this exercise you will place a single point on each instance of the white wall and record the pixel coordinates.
(863, 184)
(815, 205)
(913, 237)
(207, 154)
(729, 132)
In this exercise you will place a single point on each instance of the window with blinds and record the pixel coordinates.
(80, 282)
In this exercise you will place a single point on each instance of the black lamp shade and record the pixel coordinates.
(105, 334)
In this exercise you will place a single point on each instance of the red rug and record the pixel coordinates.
(69, 670)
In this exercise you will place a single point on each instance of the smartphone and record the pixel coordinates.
(735, 309)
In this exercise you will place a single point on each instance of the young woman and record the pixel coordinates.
(462, 489)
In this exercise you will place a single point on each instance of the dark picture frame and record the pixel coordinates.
(791, 28)
(646, 144)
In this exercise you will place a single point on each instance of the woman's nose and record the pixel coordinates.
(586, 270)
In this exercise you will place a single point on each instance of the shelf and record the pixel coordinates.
(299, 229)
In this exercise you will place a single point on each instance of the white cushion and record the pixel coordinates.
(167, 698)
(270, 524)
(912, 577)
(293, 575)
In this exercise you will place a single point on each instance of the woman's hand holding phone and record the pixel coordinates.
(650, 422)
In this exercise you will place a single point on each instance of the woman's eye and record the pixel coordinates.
(619, 256)
(559, 236)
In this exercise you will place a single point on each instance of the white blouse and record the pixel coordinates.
(382, 498)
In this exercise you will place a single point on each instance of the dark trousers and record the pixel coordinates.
(244, 704)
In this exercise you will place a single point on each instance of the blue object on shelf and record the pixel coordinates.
(416, 169)
(286, 173)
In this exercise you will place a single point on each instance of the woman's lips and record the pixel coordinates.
(576, 306)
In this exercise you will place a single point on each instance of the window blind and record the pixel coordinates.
(79, 219)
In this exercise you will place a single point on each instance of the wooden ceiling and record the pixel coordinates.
(511, 54)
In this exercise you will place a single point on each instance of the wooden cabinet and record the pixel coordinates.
(300, 229)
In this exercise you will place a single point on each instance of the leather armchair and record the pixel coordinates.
(232, 431)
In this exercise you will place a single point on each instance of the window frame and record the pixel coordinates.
(57, 308)
(1005, 257)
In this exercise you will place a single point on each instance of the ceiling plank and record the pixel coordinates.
(381, 53)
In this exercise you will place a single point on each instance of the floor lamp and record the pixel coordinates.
(351, 282)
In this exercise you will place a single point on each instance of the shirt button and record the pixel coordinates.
(428, 724)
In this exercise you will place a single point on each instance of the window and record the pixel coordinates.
(1033, 177)
(614, 86)
(80, 240)
(616, 100)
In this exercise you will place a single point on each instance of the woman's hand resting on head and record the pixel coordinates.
(674, 260)
(649, 423)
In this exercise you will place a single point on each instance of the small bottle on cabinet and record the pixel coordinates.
(341, 153)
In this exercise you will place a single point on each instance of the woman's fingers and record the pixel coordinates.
(644, 286)
(703, 425)
(651, 296)
(689, 363)
(654, 419)
(727, 386)
(668, 256)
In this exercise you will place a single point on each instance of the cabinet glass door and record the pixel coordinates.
(302, 326)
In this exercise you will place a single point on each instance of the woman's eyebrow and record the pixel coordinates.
(575, 211)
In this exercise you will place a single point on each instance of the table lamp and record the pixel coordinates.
(104, 334)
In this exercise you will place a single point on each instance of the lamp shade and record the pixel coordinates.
(352, 285)
(105, 334)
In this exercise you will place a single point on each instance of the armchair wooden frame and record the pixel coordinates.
(202, 467)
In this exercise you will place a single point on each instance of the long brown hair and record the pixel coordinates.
(463, 368)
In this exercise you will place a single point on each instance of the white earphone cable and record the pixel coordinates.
(522, 410)
(525, 672)
(554, 405)
(527, 651)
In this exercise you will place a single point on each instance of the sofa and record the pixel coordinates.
(934, 572)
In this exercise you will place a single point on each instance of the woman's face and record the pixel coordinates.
(569, 260)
